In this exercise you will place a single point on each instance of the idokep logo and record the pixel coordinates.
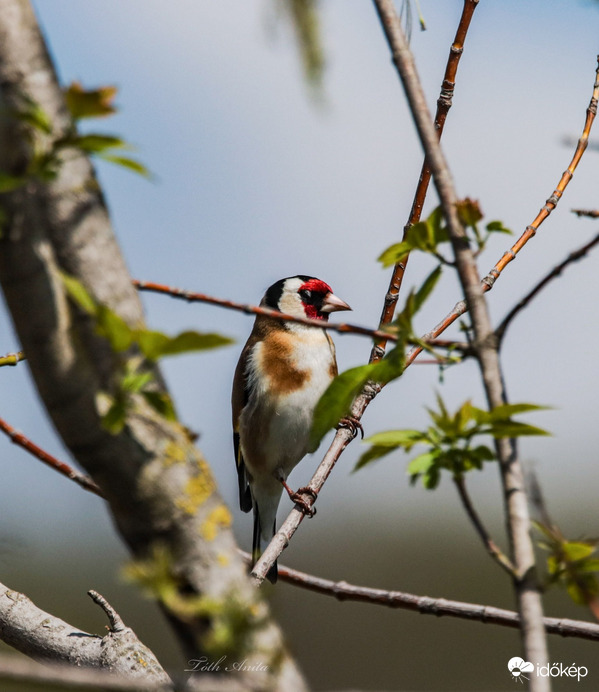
(518, 668)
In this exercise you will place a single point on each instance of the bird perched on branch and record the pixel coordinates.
(283, 370)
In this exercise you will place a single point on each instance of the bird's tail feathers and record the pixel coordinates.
(260, 542)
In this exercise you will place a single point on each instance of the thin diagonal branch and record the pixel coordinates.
(537, 288)
(492, 548)
(426, 605)
(19, 439)
(265, 312)
(343, 436)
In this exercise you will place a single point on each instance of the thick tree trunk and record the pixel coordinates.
(159, 488)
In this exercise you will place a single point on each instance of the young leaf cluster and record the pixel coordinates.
(429, 234)
(152, 345)
(571, 565)
(337, 400)
(452, 441)
(47, 151)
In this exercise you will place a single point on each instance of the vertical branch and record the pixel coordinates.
(444, 103)
(526, 587)
(343, 436)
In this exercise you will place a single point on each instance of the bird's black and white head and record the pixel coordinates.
(303, 296)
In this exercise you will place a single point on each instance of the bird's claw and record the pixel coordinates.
(296, 497)
(353, 425)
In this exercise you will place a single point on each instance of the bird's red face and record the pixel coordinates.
(318, 300)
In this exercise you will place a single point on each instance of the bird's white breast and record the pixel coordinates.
(280, 416)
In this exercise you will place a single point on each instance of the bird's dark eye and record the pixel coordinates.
(305, 294)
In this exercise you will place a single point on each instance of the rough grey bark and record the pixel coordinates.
(160, 489)
(46, 638)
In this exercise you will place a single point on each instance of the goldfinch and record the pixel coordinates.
(283, 370)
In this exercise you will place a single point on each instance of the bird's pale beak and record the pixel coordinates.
(332, 303)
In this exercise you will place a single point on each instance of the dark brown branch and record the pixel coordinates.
(19, 439)
(492, 548)
(425, 605)
(553, 274)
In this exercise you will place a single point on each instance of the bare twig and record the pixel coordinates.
(265, 312)
(343, 436)
(591, 213)
(116, 622)
(60, 466)
(492, 548)
(425, 605)
(12, 358)
(553, 274)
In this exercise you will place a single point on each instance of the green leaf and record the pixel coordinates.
(506, 411)
(35, 116)
(10, 182)
(498, 227)
(126, 162)
(90, 103)
(577, 550)
(114, 328)
(336, 401)
(155, 344)
(512, 428)
(422, 463)
(372, 454)
(79, 294)
(397, 438)
(588, 566)
(483, 453)
(162, 403)
(136, 381)
(427, 287)
(114, 420)
(96, 143)
(395, 254)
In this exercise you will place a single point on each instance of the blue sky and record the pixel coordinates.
(255, 182)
